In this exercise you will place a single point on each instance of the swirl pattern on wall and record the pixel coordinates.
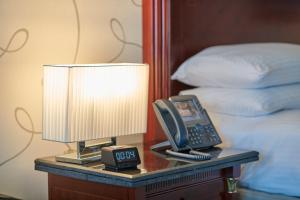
(29, 130)
(7, 49)
(18, 110)
(78, 31)
(136, 4)
(122, 38)
(114, 23)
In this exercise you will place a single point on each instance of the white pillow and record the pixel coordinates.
(254, 65)
(275, 137)
(248, 102)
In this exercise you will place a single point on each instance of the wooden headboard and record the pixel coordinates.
(174, 30)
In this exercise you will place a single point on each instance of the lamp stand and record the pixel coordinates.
(86, 153)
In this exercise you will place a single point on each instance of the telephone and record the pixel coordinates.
(187, 126)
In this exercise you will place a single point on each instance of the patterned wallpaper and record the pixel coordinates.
(37, 32)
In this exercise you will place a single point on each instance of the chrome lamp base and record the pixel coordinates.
(85, 153)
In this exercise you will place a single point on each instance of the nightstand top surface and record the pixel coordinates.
(154, 167)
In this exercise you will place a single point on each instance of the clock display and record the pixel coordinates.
(120, 157)
(127, 155)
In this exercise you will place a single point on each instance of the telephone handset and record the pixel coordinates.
(186, 125)
(171, 122)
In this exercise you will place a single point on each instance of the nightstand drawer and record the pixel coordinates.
(204, 191)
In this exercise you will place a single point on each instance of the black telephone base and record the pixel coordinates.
(166, 148)
(161, 146)
(167, 145)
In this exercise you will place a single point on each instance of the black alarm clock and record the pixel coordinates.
(118, 158)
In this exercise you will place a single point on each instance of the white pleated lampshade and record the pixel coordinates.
(92, 101)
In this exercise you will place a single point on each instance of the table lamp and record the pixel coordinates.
(85, 102)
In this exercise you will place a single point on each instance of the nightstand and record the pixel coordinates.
(158, 177)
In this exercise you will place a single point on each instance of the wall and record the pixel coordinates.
(37, 32)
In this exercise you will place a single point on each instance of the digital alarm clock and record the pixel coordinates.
(118, 158)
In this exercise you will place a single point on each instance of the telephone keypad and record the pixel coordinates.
(201, 135)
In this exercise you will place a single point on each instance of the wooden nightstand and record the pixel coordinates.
(158, 177)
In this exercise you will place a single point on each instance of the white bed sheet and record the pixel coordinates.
(277, 138)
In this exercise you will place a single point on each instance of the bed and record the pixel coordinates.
(174, 30)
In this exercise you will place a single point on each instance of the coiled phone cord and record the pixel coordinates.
(194, 155)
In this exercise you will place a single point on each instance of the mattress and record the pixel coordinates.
(277, 138)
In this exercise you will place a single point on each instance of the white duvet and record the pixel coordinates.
(277, 138)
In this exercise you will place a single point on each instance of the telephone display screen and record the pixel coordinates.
(187, 110)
